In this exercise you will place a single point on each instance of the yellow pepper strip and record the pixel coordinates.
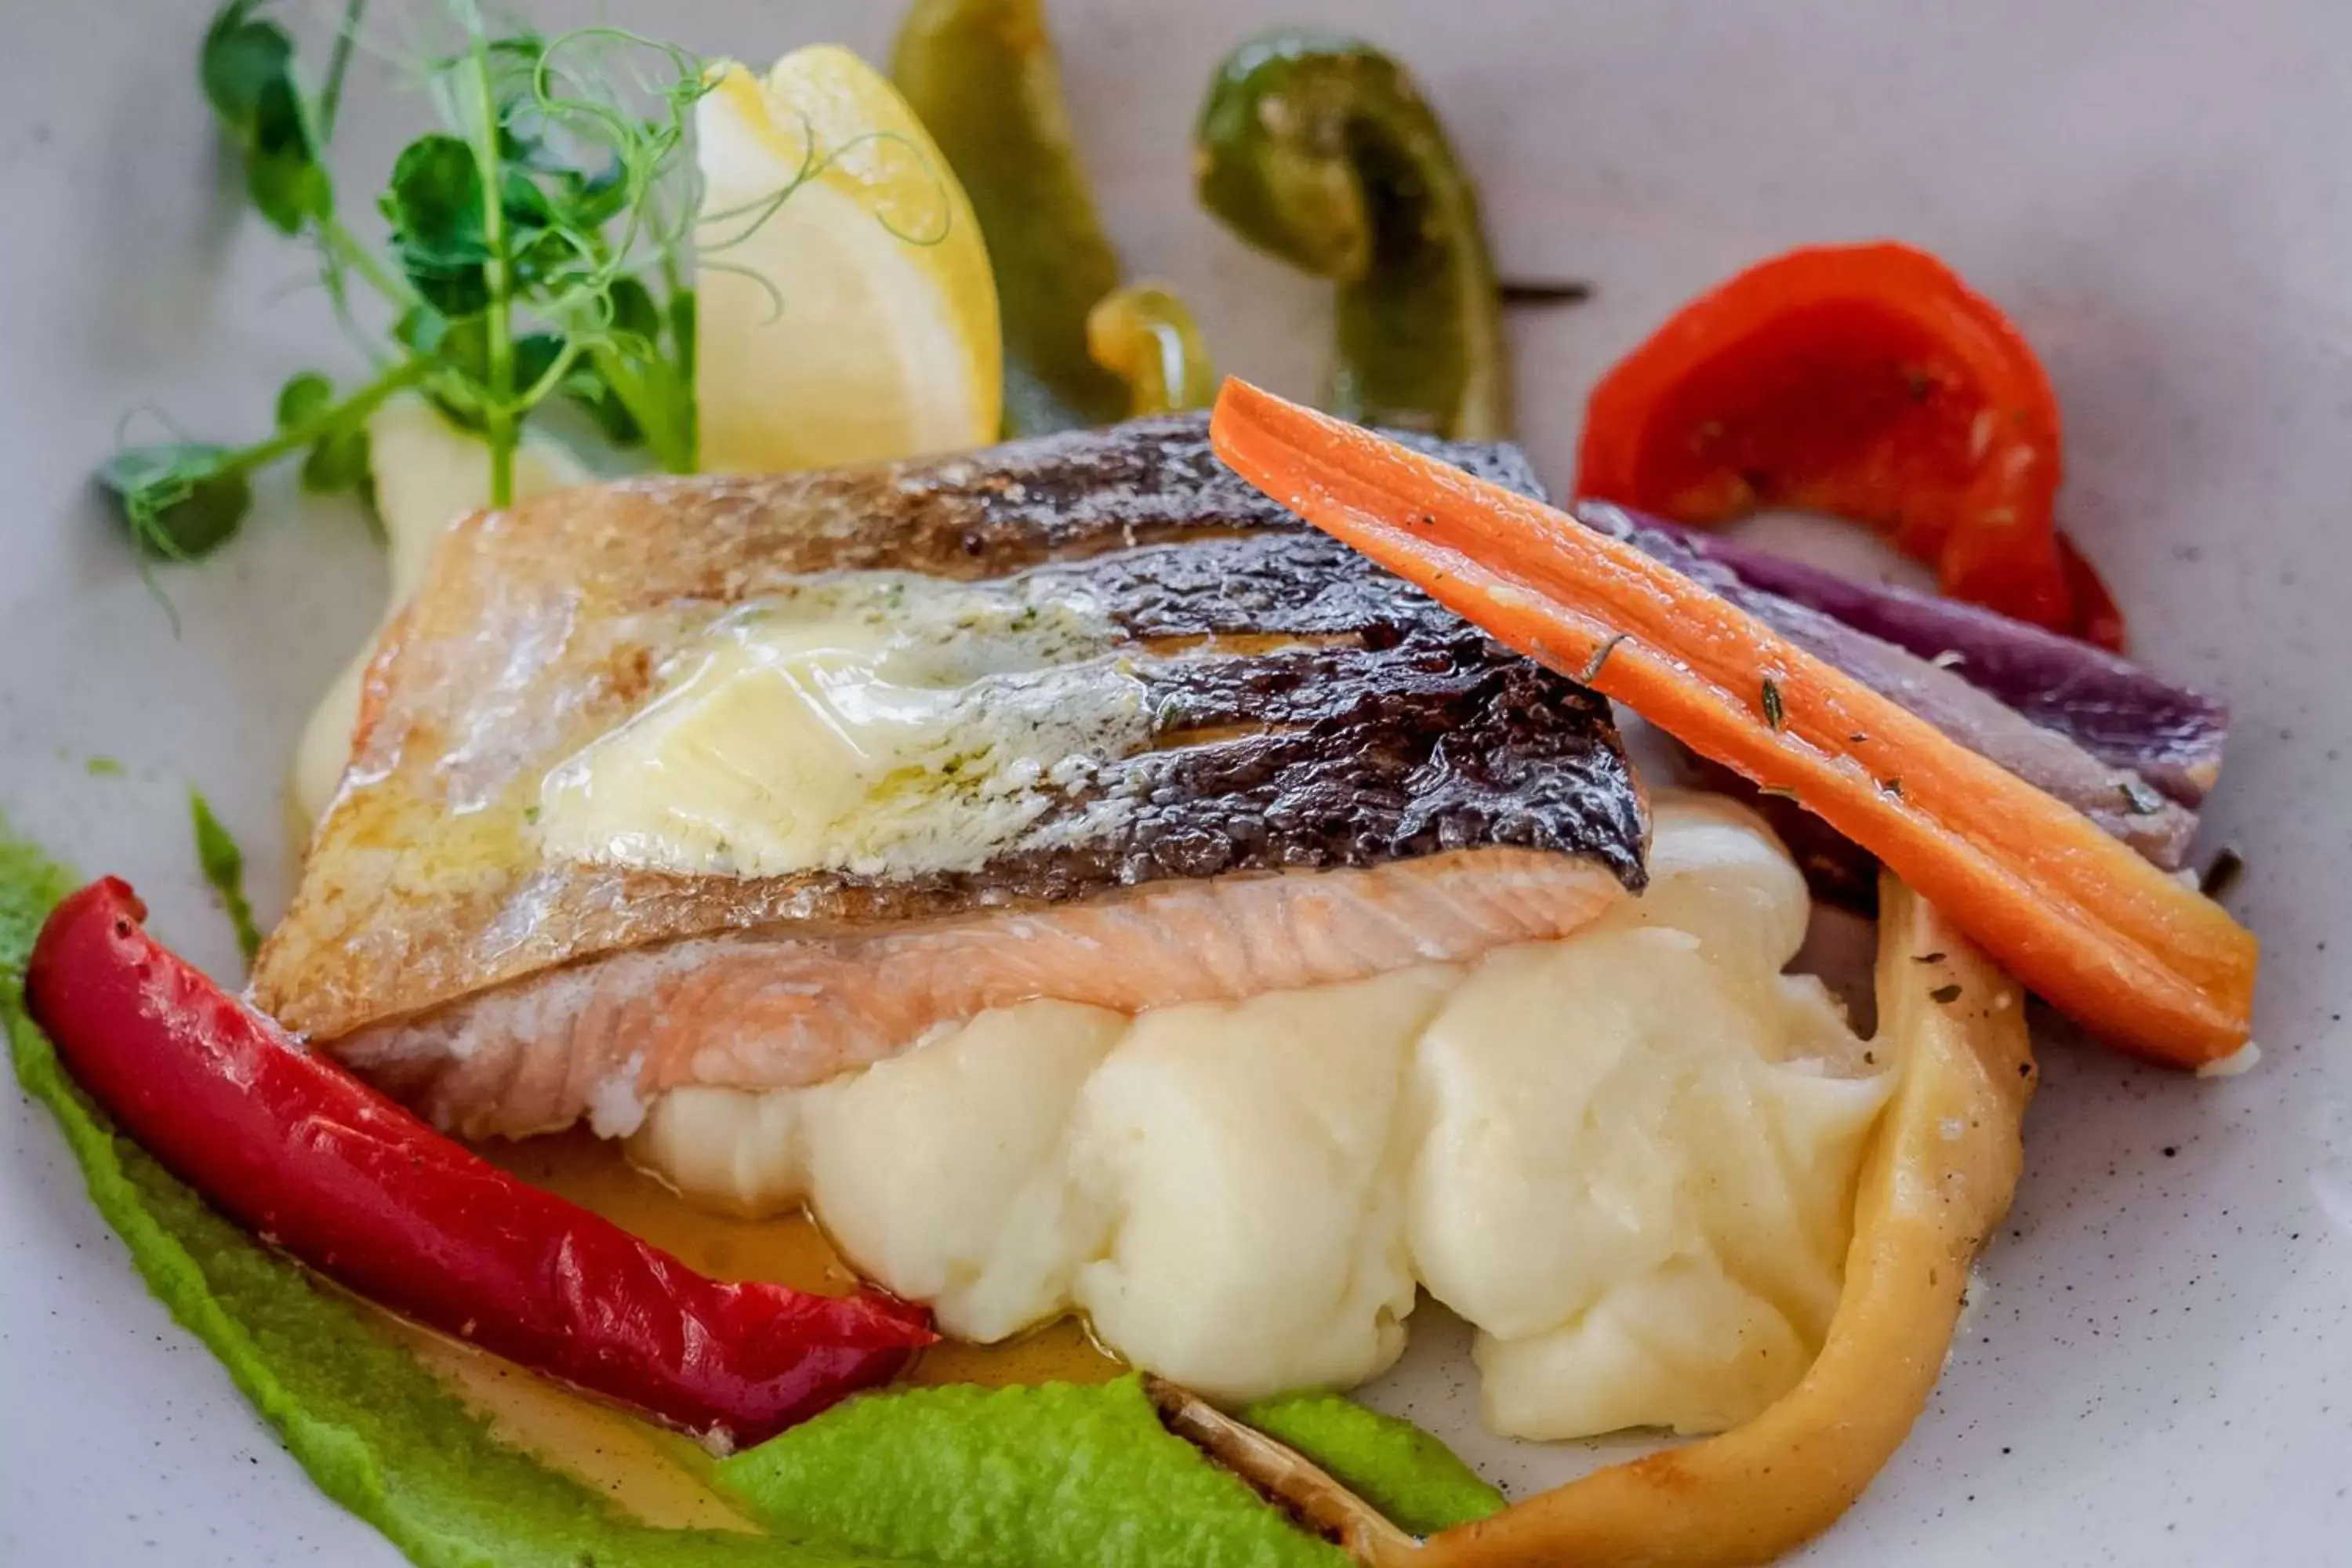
(1937, 1181)
(1935, 1186)
(1144, 335)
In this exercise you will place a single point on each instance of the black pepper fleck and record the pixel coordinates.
(1600, 657)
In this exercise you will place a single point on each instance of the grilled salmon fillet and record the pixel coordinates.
(1332, 777)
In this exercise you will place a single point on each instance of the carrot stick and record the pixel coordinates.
(2131, 955)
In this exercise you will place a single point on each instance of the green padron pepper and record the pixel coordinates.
(1319, 149)
(983, 76)
(1144, 335)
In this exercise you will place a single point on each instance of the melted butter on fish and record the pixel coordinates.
(1375, 735)
(1627, 1155)
(875, 722)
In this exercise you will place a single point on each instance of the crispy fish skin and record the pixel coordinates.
(1364, 725)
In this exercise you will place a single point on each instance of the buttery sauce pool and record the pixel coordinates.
(787, 1250)
(659, 1477)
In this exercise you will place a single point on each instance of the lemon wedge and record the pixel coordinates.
(846, 312)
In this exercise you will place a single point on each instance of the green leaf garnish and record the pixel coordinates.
(634, 312)
(223, 864)
(240, 60)
(302, 398)
(343, 462)
(435, 207)
(593, 394)
(282, 169)
(181, 499)
(539, 234)
(247, 69)
(337, 459)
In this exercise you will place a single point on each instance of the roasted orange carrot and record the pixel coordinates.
(2121, 947)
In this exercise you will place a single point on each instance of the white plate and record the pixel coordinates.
(2159, 1367)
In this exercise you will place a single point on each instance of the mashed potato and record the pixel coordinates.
(1628, 1157)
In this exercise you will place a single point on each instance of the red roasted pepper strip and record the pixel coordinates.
(316, 1163)
(1869, 383)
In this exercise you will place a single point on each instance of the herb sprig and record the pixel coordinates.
(536, 247)
(223, 863)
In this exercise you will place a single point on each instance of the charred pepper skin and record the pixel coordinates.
(317, 1163)
(1321, 151)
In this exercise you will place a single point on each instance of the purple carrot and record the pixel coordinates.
(2122, 714)
(2043, 750)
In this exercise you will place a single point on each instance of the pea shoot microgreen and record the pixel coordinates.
(536, 250)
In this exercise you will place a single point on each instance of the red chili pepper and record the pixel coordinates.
(317, 1163)
(1867, 382)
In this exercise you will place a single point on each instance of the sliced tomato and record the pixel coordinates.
(1869, 383)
